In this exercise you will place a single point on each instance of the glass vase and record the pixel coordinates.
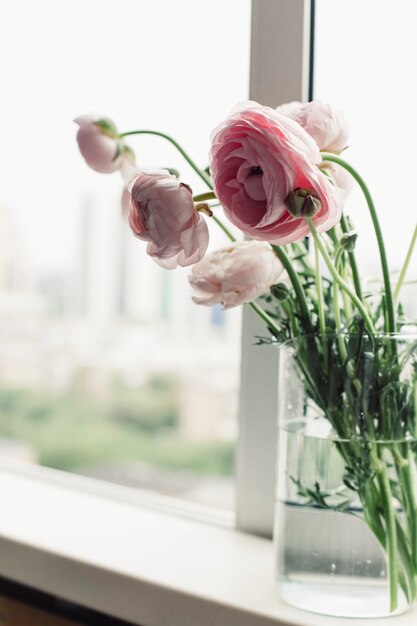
(346, 510)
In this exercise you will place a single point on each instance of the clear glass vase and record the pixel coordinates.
(346, 510)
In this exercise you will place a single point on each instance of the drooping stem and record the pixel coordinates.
(201, 173)
(342, 284)
(405, 265)
(391, 326)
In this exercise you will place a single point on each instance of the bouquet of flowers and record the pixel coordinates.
(281, 180)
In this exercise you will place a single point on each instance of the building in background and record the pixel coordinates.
(116, 313)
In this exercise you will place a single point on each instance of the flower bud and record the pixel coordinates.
(280, 291)
(100, 145)
(348, 241)
(303, 203)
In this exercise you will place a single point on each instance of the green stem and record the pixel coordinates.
(347, 305)
(201, 173)
(342, 284)
(352, 261)
(320, 307)
(391, 536)
(406, 468)
(224, 228)
(202, 197)
(337, 317)
(406, 576)
(288, 309)
(299, 291)
(264, 316)
(391, 326)
(415, 406)
(406, 264)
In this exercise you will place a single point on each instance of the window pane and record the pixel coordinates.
(107, 368)
(365, 63)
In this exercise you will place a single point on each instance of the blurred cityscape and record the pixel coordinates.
(107, 367)
(112, 330)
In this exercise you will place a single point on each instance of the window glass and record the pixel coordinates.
(107, 368)
(365, 63)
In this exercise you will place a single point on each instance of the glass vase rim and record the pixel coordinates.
(397, 336)
(333, 437)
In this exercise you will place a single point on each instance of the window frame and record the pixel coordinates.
(280, 29)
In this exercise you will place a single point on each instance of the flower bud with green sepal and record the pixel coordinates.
(348, 241)
(303, 203)
(280, 291)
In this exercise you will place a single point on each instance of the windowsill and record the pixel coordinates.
(137, 564)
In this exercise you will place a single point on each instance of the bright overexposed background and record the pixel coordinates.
(106, 366)
(365, 64)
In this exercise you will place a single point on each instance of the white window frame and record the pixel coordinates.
(281, 30)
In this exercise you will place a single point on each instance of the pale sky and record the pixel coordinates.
(173, 66)
(366, 58)
(179, 67)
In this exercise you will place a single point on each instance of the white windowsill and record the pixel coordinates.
(147, 567)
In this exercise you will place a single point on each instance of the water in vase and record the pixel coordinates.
(327, 561)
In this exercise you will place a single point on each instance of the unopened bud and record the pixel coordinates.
(348, 241)
(303, 203)
(280, 291)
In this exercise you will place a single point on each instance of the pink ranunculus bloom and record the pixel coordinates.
(162, 212)
(258, 157)
(324, 122)
(238, 273)
(99, 144)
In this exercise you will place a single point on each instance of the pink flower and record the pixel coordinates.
(236, 274)
(99, 144)
(328, 127)
(162, 212)
(258, 159)
(326, 124)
